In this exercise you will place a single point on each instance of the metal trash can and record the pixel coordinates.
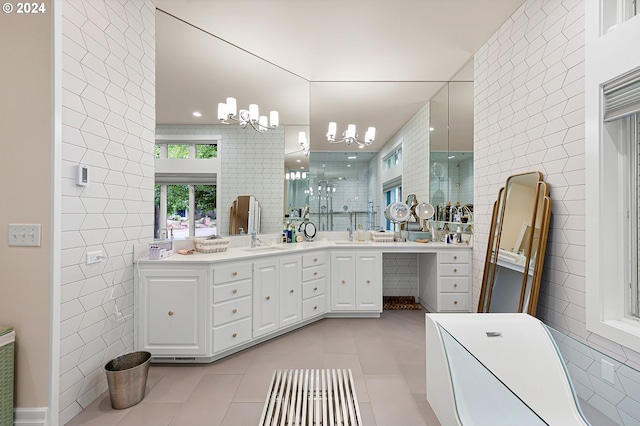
(127, 378)
(7, 354)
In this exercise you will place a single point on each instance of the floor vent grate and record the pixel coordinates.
(311, 398)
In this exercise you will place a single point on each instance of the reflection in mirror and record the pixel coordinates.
(451, 145)
(339, 185)
(244, 215)
(517, 243)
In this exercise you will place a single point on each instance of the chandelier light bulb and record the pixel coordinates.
(232, 108)
(263, 123)
(274, 119)
(331, 133)
(351, 131)
(254, 113)
(222, 112)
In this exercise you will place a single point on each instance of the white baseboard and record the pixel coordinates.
(30, 416)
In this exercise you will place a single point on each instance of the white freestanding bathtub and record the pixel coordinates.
(497, 369)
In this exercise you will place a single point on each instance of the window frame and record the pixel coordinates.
(185, 169)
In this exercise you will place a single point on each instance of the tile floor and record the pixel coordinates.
(386, 356)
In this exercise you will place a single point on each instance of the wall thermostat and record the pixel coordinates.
(82, 175)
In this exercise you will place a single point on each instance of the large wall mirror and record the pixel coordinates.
(451, 141)
(516, 246)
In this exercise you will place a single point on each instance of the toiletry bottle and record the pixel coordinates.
(360, 233)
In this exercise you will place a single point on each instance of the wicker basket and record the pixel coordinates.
(7, 338)
(217, 245)
(382, 237)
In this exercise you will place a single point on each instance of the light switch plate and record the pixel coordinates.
(24, 235)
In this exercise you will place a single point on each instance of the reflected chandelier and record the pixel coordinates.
(304, 143)
(227, 114)
(350, 136)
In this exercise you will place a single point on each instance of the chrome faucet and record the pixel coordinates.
(254, 238)
(350, 233)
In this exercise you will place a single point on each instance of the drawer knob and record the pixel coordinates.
(455, 257)
(455, 270)
(234, 291)
(455, 285)
(234, 335)
(315, 259)
(315, 307)
(315, 289)
(234, 274)
(315, 273)
(235, 311)
(368, 281)
(268, 297)
(291, 291)
(343, 282)
(455, 302)
(170, 313)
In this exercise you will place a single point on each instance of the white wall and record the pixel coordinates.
(530, 116)
(108, 122)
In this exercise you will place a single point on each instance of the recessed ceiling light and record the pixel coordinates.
(297, 161)
(353, 157)
(197, 114)
(431, 129)
(348, 165)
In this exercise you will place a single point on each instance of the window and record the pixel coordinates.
(392, 160)
(186, 186)
(391, 195)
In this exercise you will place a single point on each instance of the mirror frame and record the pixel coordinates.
(540, 214)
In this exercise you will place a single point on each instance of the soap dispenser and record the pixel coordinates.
(360, 233)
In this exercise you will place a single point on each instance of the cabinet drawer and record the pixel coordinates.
(454, 284)
(313, 259)
(454, 270)
(313, 273)
(232, 310)
(231, 273)
(314, 288)
(454, 302)
(454, 256)
(222, 293)
(232, 334)
(314, 306)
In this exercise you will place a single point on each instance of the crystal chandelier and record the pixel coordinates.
(227, 114)
(350, 136)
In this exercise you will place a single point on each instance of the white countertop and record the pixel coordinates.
(239, 248)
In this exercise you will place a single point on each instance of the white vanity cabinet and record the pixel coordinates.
(277, 294)
(356, 281)
(231, 307)
(314, 284)
(172, 310)
(452, 293)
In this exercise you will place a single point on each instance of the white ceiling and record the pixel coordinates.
(366, 62)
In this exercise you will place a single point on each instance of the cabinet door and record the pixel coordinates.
(290, 292)
(172, 317)
(369, 281)
(343, 281)
(265, 297)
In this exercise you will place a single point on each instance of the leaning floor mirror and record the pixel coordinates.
(516, 246)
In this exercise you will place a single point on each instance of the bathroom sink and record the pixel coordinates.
(263, 248)
(351, 243)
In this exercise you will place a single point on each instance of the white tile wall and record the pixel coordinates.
(529, 116)
(400, 271)
(251, 163)
(108, 123)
